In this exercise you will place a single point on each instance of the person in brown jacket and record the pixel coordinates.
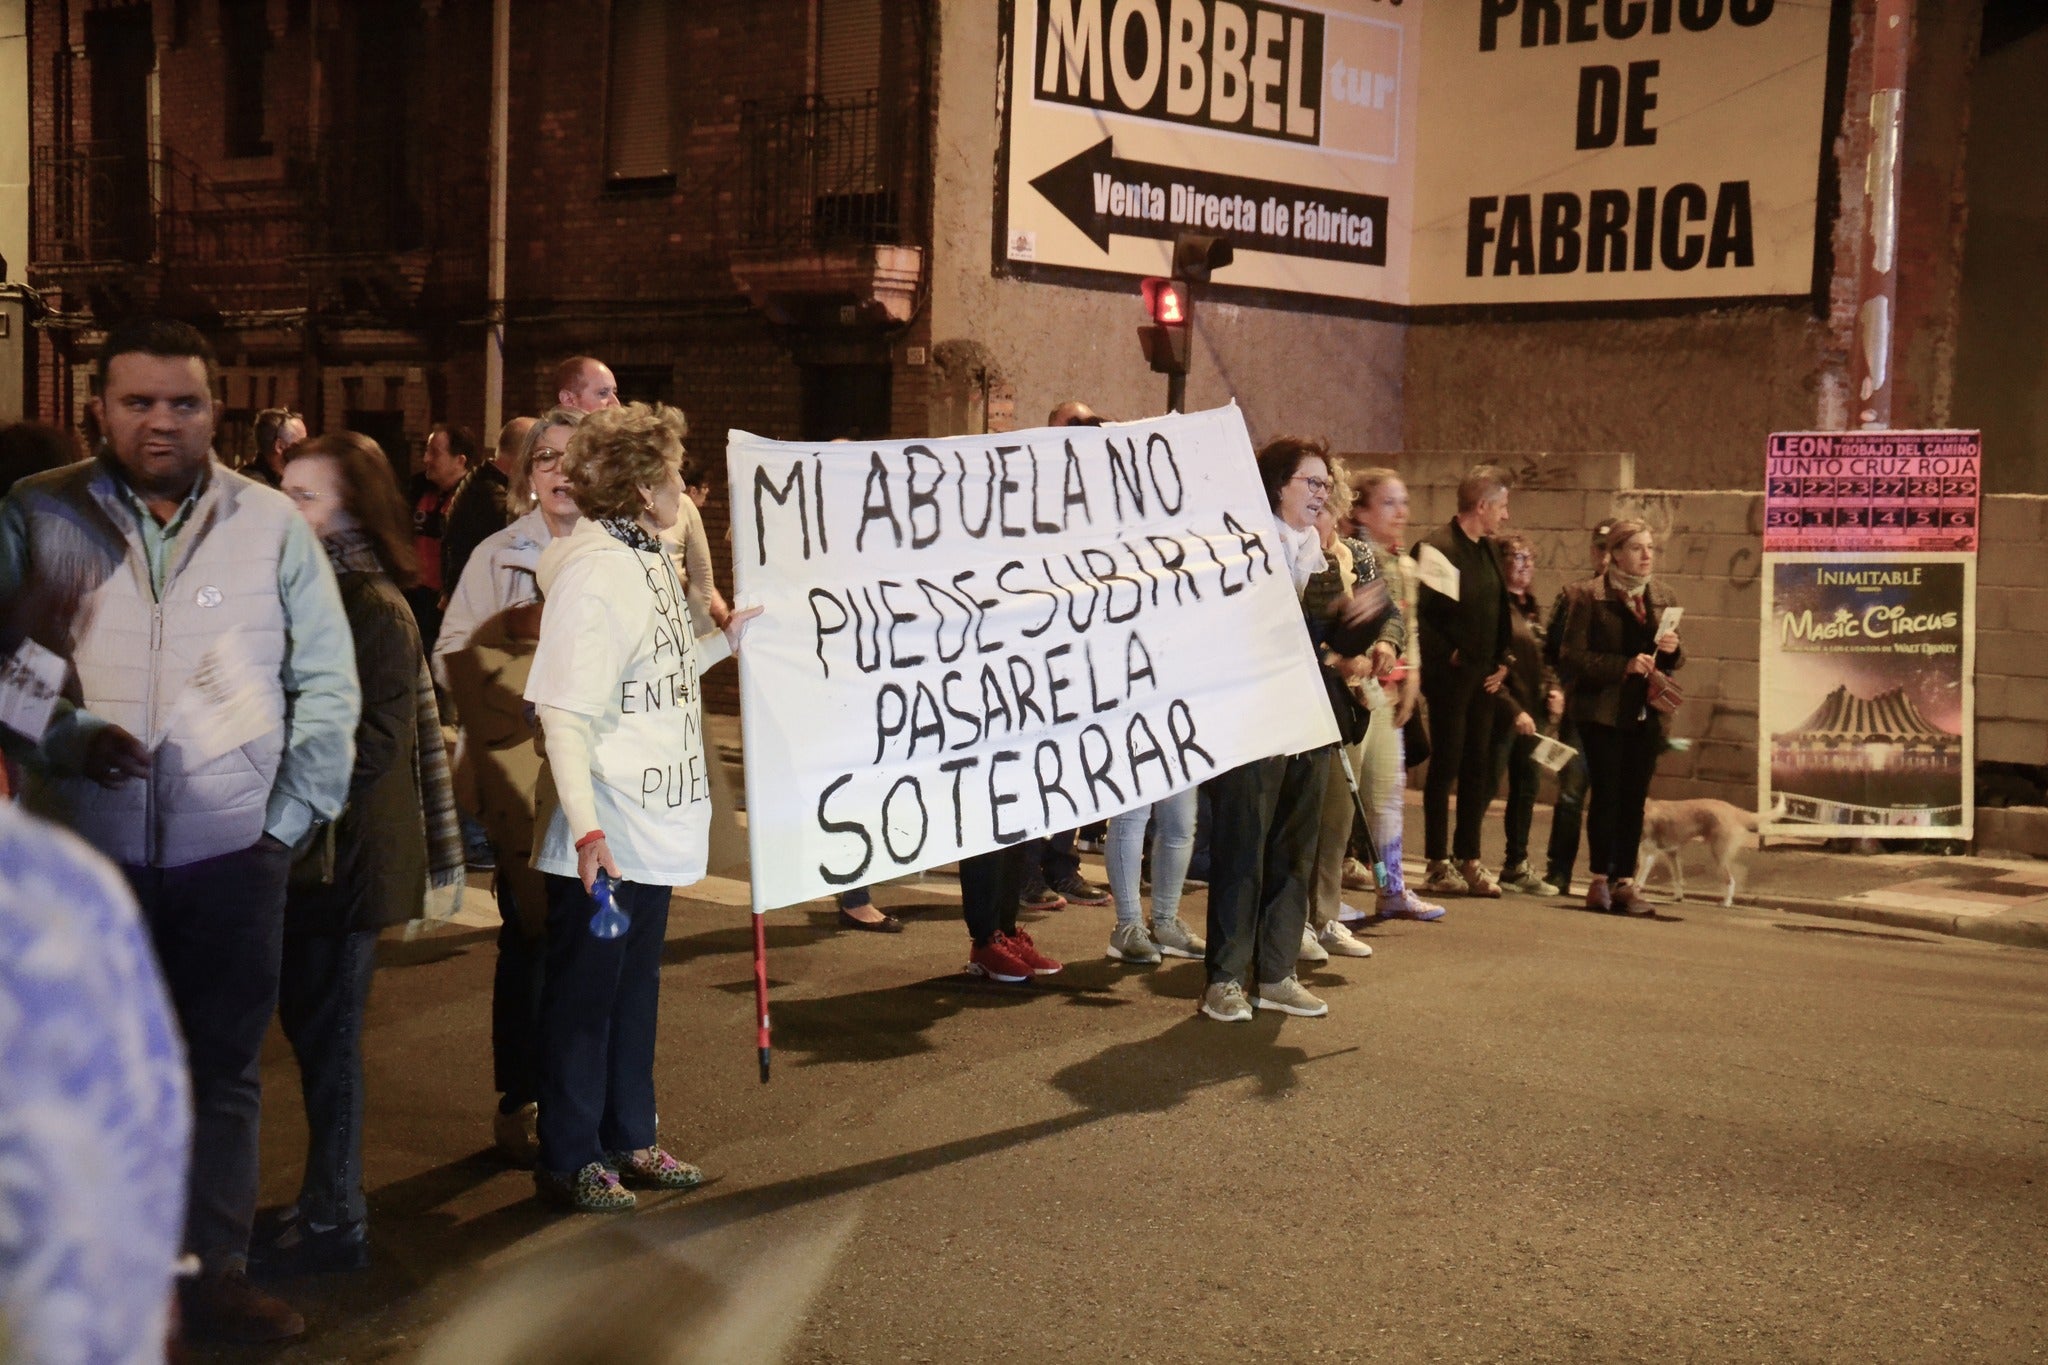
(1614, 651)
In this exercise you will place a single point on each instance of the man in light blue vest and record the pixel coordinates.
(208, 733)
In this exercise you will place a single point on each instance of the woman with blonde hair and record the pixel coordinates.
(1362, 706)
(1617, 655)
(1380, 511)
(485, 648)
(624, 802)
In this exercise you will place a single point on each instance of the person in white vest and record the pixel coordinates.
(625, 794)
(208, 731)
(481, 658)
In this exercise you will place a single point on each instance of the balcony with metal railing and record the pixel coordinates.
(822, 220)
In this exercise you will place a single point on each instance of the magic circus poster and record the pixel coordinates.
(1865, 703)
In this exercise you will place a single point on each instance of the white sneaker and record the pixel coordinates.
(1311, 951)
(1341, 942)
(1351, 914)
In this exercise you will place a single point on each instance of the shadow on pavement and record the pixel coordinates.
(893, 1020)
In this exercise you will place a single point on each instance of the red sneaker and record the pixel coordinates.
(998, 961)
(1026, 951)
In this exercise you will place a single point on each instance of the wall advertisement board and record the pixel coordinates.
(1440, 153)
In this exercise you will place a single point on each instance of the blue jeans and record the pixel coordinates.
(597, 1018)
(323, 990)
(1173, 843)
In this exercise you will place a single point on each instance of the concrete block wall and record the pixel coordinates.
(1711, 557)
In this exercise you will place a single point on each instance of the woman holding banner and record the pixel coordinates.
(1617, 652)
(624, 808)
(1262, 846)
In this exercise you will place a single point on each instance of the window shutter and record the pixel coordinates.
(637, 130)
(849, 48)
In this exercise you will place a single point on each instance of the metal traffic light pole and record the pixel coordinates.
(1168, 342)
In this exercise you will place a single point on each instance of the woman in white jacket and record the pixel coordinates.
(481, 659)
(625, 794)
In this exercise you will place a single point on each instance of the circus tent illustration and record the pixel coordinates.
(1848, 732)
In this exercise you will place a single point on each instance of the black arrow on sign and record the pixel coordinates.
(1257, 215)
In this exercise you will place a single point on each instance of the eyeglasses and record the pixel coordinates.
(545, 459)
(1315, 485)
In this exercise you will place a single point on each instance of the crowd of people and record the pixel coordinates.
(260, 688)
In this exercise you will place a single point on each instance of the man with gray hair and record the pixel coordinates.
(1462, 608)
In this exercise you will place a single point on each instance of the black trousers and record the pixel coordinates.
(516, 984)
(989, 886)
(1514, 762)
(1570, 811)
(1051, 860)
(1619, 763)
(218, 928)
(597, 1016)
(1461, 722)
(1262, 852)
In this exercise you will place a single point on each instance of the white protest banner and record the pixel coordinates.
(972, 641)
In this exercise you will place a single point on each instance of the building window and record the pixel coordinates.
(638, 134)
(245, 43)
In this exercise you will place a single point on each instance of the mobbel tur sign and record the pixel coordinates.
(1434, 152)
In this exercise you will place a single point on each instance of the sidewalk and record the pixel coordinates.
(1995, 900)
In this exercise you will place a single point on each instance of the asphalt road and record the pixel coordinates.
(1525, 1133)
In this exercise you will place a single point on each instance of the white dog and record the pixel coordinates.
(1668, 826)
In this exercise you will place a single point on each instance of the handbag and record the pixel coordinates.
(1665, 696)
(1352, 717)
(1414, 741)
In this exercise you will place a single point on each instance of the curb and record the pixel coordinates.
(2027, 933)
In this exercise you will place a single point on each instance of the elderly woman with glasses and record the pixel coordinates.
(1262, 847)
(481, 658)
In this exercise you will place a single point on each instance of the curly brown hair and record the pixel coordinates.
(618, 451)
(369, 494)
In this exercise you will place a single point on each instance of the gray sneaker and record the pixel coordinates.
(1290, 997)
(1173, 939)
(1224, 1002)
(1130, 943)
(1521, 877)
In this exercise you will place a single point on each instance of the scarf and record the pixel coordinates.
(351, 551)
(631, 532)
(1630, 586)
(1303, 550)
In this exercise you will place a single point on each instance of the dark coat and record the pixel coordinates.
(476, 513)
(1529, 680)
(1448, 625)
(380, 841)
(1601, 635)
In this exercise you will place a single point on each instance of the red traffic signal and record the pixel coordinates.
(1167, 301)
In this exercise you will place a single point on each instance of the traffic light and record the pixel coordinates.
(1195, 254)
(1165, 341)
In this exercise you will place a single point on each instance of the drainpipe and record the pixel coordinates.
(1877, 285)
(494, 335)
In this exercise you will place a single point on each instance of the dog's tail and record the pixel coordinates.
(1747, 818)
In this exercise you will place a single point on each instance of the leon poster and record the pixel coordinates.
(1866, 711)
